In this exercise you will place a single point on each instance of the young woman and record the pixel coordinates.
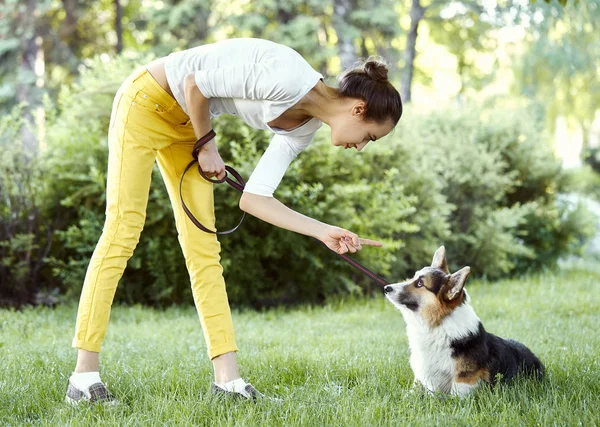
(159, 113)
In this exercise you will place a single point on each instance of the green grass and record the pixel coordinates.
(342, 364)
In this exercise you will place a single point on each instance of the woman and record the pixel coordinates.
(158, 114)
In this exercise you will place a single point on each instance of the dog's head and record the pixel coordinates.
(432, 294)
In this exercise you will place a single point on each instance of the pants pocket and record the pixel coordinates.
(143, 100)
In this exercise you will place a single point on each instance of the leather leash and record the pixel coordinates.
(239, 185)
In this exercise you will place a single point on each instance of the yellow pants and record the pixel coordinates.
(147, 124)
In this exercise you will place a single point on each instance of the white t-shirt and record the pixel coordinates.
(257, 80)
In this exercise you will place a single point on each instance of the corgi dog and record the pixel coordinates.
(451, 352)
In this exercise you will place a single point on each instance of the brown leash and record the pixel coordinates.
(239, 185)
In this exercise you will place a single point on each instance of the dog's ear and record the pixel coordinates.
(457, 283)
(439, 259)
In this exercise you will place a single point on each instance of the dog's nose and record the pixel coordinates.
(387, 289)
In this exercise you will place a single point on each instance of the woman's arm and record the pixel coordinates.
(274, 212)
(197, 104)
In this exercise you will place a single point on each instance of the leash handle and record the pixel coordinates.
(197, 146)
(203, 140)
(239, 185)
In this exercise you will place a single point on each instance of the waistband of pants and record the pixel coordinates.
(141, 80)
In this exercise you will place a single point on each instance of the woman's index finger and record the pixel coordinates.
(369, 242)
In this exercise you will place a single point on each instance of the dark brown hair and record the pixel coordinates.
(368, 80)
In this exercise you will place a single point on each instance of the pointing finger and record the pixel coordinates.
(369, 242)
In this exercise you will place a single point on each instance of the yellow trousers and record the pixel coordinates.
(148, 125)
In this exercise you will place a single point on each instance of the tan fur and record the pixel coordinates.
(436, 308)
(467, 372)
(435, 313)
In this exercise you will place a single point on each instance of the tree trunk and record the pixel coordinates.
(118, 25)
(410, 52)
(68, 28)
(66, 42)
(284, 16)
(364, 52)
(585, 135)
(26, 86)
(323, 42)
(341, 17)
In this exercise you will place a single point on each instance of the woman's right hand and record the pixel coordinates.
(210, 161)
(342, 241)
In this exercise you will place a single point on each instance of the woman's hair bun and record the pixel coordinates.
(368, 80)
(376, 70)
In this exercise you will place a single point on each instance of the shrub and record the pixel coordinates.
(27, 224)
(483, 181)
(499, 173)
(592, 158)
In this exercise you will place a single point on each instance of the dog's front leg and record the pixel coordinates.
(462, 389)
(416, 388)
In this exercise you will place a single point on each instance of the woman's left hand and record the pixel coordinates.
(342, 241)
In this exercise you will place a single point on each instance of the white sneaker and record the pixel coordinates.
(96, 393)
(248, 393)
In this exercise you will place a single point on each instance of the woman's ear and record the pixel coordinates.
(359, 109)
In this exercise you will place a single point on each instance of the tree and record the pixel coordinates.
(464, 27)
(346, 33)
(560, 65)
(119, 26)
(417, 12)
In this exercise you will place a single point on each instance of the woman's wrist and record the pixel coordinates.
(321, 230)
(209, 146)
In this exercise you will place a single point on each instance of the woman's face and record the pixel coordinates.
(353, 131)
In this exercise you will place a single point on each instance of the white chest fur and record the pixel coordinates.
(431, 354)
(430, 360)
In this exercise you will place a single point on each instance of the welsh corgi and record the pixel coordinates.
(451, 352)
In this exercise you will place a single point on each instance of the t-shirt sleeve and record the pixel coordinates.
(258, 81)
(274, 162)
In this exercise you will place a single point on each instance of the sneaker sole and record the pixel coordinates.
(74, 402)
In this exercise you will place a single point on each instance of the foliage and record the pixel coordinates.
(592, 158)
(500, 175)
(496, 206)
(27, 222)
(481, 180)
(559, 67)
(585, 180)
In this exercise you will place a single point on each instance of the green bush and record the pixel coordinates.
(585, 180)
(483, 181)
(592, 158)
(499, 174)
(27, 223)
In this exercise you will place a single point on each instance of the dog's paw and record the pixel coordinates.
(417, 389)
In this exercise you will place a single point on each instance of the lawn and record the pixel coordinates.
(342, 364)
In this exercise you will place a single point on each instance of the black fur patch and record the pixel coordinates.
(437, 279)
(496, 355)
(408, 302)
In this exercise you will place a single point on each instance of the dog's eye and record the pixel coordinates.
(419, 283)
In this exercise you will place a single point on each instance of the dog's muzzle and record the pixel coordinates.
(387, 289)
